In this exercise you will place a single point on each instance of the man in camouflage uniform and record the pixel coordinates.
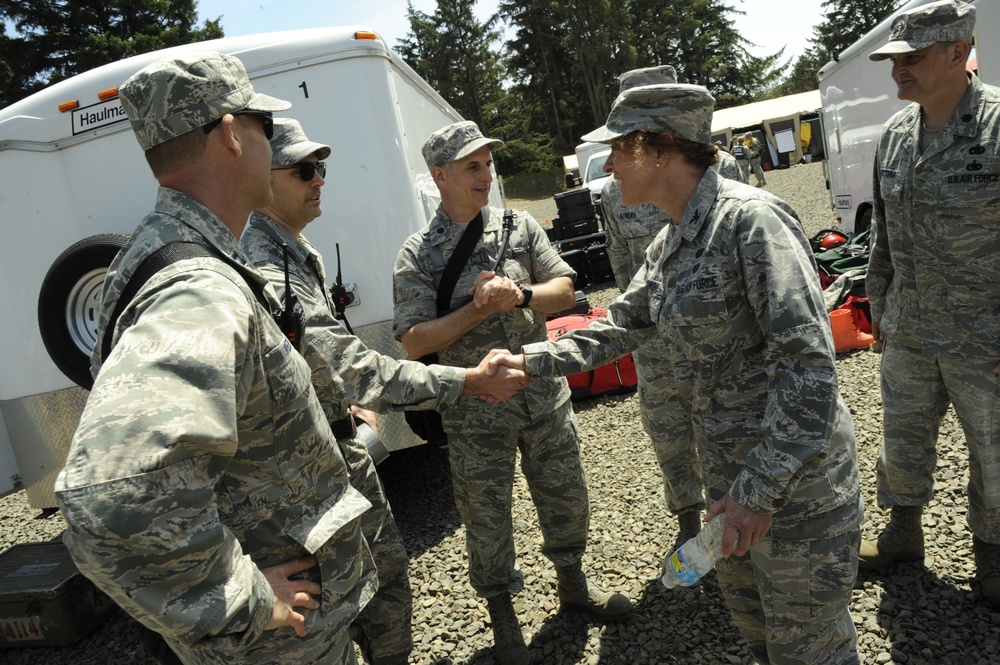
(204, 490)
(345, 372)
(630, 230)
(753, 144)
(507, 310)
(731, 288)
(934, 281)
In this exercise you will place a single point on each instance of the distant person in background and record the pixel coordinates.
(630, 231)
(934, 282)
(753, 143)
(741, 153)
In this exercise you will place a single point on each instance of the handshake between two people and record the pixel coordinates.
(501, 374)
(498, 377)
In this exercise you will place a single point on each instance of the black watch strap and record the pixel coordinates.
(526, 290)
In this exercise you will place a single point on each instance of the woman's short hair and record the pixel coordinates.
(702, 155)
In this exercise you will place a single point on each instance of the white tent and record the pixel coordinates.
(773, 116)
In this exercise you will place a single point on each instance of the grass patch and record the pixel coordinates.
(544, 184)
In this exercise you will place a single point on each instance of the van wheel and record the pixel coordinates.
(69, 303)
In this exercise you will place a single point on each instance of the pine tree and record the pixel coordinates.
(701, 39)
(56, 39)
(844, 22)
(458, 56)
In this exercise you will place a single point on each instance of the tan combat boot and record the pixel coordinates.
(902, 540)
(575, 594)
(988, 570)
(508, 641)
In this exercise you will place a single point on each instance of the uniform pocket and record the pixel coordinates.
(332, 533)
(288, 375)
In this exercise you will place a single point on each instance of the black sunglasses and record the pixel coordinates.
(263, 115)
(305, 170)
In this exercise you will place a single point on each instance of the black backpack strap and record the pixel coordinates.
(154, 263)
(463, 250)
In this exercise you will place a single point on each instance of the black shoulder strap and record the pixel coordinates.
(154, 263)
(463, 250)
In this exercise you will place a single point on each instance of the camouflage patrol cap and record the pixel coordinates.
(681, 109)
(646, 76)
(290, 145)
(456, 141)
(175, 95)
(945, 21)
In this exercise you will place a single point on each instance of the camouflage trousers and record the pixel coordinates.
(277, 647)
(482, 468)
(669, 427)
(916, 393)
(383, 629)
(744, 165)
(757, 171)
(790, 599)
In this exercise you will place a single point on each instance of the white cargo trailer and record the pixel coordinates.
(74, 178)
(858, 97)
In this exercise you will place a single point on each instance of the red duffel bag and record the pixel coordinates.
(615, 378)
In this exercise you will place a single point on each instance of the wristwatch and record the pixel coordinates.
(527, 292)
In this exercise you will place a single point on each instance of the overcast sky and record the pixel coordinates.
(770, 24)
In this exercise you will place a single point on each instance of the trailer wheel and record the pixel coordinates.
(69, 303)
(864, 222)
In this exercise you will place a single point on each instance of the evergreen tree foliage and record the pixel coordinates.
(847, 21)
(554, 77)
(462, 59)
(701, 39)
(844, 22)
(458, 55)
(56, 39)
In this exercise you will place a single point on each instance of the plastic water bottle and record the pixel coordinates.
(695, 558)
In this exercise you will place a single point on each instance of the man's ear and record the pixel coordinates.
(229, 137)
(437, 173)
(960, 54)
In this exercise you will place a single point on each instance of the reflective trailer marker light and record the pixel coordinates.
(110, 93)
(365, 34)
(69, 106)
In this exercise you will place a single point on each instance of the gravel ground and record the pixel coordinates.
(921, 614)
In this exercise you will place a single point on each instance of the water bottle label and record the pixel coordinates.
(685, 572)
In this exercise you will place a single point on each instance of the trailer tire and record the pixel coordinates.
(864, 222)
(69, 303)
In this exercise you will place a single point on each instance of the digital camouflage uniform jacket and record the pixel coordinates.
(631, 229)
(344, 370)
(415, 296)
(203, 456)
(734, 294)
(934, 271)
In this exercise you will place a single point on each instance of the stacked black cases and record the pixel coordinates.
(599, 264)
(576, 221)
(577, 214)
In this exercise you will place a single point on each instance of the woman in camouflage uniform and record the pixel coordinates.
(731, 289)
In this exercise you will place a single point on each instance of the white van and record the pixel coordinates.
(74, 180)
(859, 96)
(591, 158)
